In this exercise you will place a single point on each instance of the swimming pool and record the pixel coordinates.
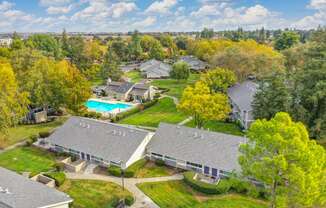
(103, 107)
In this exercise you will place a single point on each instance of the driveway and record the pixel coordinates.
(141, 200)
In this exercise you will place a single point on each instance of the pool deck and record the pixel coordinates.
(114, 111)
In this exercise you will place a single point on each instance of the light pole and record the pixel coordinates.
(122, 181)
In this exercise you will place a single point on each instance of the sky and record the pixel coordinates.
(158, 15)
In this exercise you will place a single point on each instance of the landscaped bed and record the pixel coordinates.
(163, 111)
(175, 87)
(21, 132)
(27, 159)
(219, 126)
(176, 194)
(95, 194)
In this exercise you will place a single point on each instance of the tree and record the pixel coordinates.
(13, 103)
(147, 42)
(120, 48)
(135, 49)
(272, 96)
(207, 33)
(167, 42)
(286, 40)
(17, 42)
(180, 70)
(280, 154)
(156, 51)
(181, 42)
(110, 67)
(203, 106)
(219, 79)
(47, 44)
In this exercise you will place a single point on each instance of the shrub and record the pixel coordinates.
(31, 139)
(114, 202)
(116, 171)
(198, 185)
(44, 134)
(59, 166)
(223, 186)
(252, 191)
(239, 186)
(159, 162)
(129, 200)
(58, 177)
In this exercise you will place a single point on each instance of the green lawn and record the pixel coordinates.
(175, 194)
(219, 126)
(29, 159)
(134, 75)
(163, 111)
(21, 132)
(92, 193)
(175, 87)
(148, 169)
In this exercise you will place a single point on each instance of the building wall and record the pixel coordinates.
(63, 205)
(140, 151)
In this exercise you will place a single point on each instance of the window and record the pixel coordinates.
(206, 170)
(156, 155)
(170, 158)
(225, 173)
(194, 165)
(214, 172)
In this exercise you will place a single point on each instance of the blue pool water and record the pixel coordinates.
(105, 107)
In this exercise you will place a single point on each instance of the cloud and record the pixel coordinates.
(54, 2)
(314, 20)
(144, 23)
(120, 8)
(59, 10)
(161, 7)
(5, 5)
(210, 9)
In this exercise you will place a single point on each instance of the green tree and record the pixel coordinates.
(156, 51)
(272, 96)
(207, 33)
(110, 67)
(280, 154)
(180, 70)
(47, 44)
(219, 79)
(135, 49)
(203, 106)
(286, 40)
(13, 103)
(5, 53)
(147, 42)
(17, 42)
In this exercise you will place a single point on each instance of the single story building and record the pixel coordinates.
(130, 91)
(241, 95)
(210, 153)
(6, 42)
(194, 63)
(17, 191)
(100, 142)
(154, 69)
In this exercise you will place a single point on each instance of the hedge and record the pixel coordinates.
(58, 177)
(129, 200)
(116, 171)
(226, 185)
(222, 187)
(44, 134)
(31, 139)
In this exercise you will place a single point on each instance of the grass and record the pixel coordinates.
(175, 87)
(176, 194)
(19, 133)
(93, 193)
(148, 169)
(163, 111)
(322, 142)
(27, 159)
(134, 75)
(219, 126)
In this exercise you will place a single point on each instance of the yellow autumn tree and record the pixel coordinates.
(202, 105)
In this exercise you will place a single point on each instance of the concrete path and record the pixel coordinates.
(185, 121)
(19, 144)
(141, 200)
(175, 100)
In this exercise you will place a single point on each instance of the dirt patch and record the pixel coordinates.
(101, 170)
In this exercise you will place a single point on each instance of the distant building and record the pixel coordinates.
(5, 42)
(154, 69)
(194, 63)
(17, 191)
(210, 153)
(130, 91)
(241, 96)
(100, 142)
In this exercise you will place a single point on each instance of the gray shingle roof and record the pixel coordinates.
(243, 94)
(155, 69)
(194, 63)
(216, 150)
(25, 193)
(108, 141)
(119, 87)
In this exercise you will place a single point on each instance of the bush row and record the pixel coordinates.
(129, 200)
(116, 171)
(224, 186)
(33, 138)
(58, 177)
(132, 111)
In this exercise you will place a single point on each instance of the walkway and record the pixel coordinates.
(141, 200)
(185, 121)
(175, 100)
